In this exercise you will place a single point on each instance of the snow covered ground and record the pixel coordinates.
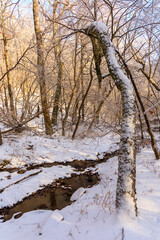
(92, 216)
(29, 148)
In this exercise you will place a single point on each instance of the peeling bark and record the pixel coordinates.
(125, 194)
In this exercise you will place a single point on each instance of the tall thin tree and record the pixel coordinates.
(57, 50)
(41, 68)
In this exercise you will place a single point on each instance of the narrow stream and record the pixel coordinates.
(54, 196)
(80, 165)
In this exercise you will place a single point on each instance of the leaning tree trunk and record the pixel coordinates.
(41, 71)
(125, 194)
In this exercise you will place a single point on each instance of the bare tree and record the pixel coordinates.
(82, 103)
(41, 69)
(6, 59)
(57, 50)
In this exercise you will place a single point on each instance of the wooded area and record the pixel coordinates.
(84, 65)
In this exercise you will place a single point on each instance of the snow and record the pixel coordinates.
(57, 216)
(99, 25)
(77, 194)
(18, 191)
(92, 215)
(29, 148)
(103, 30)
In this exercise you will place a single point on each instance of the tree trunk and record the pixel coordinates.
(6, 59)
(64, 120)
(75, 107)
(41, 70)
(95, 10)
(82, 75)
(96, 114)
(57, 95)
(57, 50)
(125, 194)
(0, 138)
(82, 103)
(5, 93)
(97, 52)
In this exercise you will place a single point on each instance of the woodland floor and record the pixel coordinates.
(40, 172)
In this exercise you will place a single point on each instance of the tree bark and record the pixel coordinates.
(125, 194)
(97, 52)
(75, 107)
(57, 50)
(0, 138)
(64, 120)
(7, 65)
(82, 76)
(99, 109)
(10, 92)
(82, 103)
(41, 70)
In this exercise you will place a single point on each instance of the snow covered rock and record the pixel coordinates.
(57, 216)
(77, 194)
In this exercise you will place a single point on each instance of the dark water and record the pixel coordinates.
(55, 196)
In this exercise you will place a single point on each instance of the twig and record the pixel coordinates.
(12, 68)
(122, 233)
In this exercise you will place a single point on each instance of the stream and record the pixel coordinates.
(54, 196)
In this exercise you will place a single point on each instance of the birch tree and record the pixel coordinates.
(125, 194)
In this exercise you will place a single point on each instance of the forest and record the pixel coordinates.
(79, 119)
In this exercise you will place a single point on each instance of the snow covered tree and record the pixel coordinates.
(125, 195)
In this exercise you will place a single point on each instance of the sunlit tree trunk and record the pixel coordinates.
(6, 59)
(125, 194)
(10, 92)
(41, 70)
